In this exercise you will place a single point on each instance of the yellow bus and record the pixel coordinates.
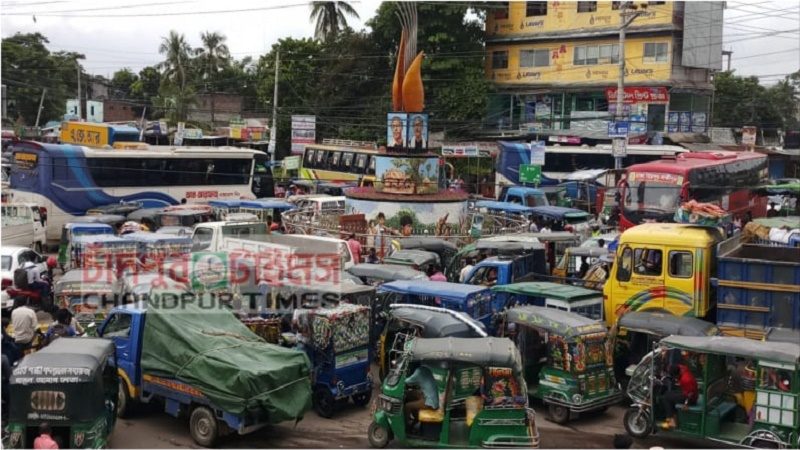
(339, 163)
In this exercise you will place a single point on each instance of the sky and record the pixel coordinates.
(763, 35)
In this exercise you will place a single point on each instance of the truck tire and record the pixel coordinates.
(363, 398)
(324, 403)
(203, 426)
(123, 400)
(558, 413)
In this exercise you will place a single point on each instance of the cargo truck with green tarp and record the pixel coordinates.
(200, 361)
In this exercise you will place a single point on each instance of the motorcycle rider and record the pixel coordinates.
(35, 281)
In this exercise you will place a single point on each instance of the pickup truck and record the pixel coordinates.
(252, 238)
(23, 224)
(514, 262)
(525, 196)
(226, 381)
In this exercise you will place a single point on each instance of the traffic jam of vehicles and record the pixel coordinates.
(355, 295)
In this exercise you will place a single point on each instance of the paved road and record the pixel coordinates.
(348, 429)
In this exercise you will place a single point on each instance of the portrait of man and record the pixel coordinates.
(396, 135)
(418, 132)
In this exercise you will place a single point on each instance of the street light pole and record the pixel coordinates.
(273, 141)
(626, 18)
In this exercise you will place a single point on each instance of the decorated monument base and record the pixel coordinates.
(424, 211)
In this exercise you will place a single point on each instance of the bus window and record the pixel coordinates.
(371, 165)
(309, 158)
(347, 160)
(335, 161)
(320, 159)
(361, 162)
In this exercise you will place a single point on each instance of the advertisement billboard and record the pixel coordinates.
(303, 132)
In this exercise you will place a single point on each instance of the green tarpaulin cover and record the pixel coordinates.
(239, 372)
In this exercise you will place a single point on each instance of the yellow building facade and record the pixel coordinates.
(555, 66)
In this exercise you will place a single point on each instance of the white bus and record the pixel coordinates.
(70, 179)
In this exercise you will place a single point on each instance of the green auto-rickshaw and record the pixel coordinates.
(748, 392)
(567, 358)
(72, 385)
(483, 401)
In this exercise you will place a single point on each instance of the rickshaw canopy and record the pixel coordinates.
(558, 291)
(563, 323)
(123, 208)
(663, 324)
(157, 238)
(100, 218)
(89, 228)
(780, 352)
(452, 291)
(783, 335)
(560, 213)
(484, 352)
(78, 359)
(430, 244)
(506, 207)
(589, 252)
(437, 324)
(225, 203)
(265, 203)
(416, 257)
(390, 272)
(508, 247)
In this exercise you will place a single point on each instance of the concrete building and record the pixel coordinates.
(555, 66)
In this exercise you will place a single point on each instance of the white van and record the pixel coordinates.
(22, 224)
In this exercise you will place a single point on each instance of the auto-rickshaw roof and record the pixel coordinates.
(783, 335)
(456, 291)
(437, 324)
(99, 218)
(664, 324)
(484, 352)
(225, 203)
(558, 212)
(590, 252)
(507, 207)
(782, 352)
(91, 226)
(427, 243)
(143, 213)
(385, 271)
(150, 237)
(509, 247)
(73, 360)
(265, 203)
(98, 238)
(341, 288)
(556, 321)
(87, 275)
(550, 290)
(416, 257)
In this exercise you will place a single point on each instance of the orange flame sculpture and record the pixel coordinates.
(408, 93)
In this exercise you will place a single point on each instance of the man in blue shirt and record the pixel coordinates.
(423, 379)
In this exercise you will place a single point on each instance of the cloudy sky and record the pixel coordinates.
(763, 35)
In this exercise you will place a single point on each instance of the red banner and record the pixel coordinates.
(640, 95)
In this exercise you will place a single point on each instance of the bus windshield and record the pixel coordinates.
(652, 195)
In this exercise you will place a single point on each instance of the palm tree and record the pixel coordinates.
(213, 55)
(175, 67)
(331, 17)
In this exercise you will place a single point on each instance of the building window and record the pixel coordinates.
(596, 54)
(534, 58)
(501, 11)
(656, 52)
(500, 59)
(615, 5)
(536, 9)
(587, 7)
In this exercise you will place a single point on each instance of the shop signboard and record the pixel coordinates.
(303, 132)
(291, 163)
(537, 153)
(749, 136)
(619, 148)
(618, 129)
(639, 95)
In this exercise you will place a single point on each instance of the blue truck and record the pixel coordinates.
(171, 355)
(510, 262)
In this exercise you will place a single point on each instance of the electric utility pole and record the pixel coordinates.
(274, 131)
(41, 105)
(626, 16)
(79, 93)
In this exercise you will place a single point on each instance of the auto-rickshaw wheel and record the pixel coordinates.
(203, 426)
(378, 435)
(558, 414)
(324, 403)
(637, 423)
(123, 400)
(363, 398)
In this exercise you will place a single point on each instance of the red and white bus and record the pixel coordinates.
(653, 191)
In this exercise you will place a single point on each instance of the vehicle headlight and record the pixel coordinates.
(577, 398)
(385, 403)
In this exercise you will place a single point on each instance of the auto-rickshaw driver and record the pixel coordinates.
(421, 393)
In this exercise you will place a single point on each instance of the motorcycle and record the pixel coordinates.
(34, 296)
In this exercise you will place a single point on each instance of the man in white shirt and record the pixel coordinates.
(35, 281)
(465, 271)
(24, 320)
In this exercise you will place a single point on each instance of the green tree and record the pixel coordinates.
(740, 101)
(28, 68)
(122, 83)
(330, 18)
(211, 58)
(175, 88)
